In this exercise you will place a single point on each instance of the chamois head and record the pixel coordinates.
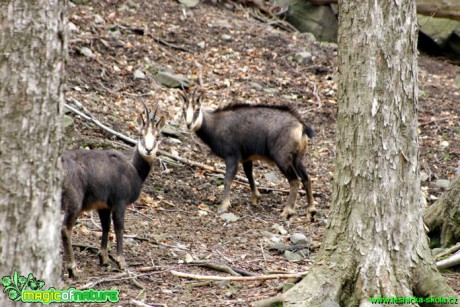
(191, 107)
(148, 134)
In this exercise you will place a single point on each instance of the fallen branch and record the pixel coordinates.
(88, 116)
(238, 278)
(448, 251)
(449, 262)
(216, 267)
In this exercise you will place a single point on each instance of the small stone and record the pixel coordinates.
(86, 52)
(424, 176)
(271, 90)
(291, 256)
(299, 238)
(303, 57)
(201, 44)
(166, 131)
(444, 144)
(139, 74)
(279, 229)
(189, 3)
(71, 27)
(98, 19)
(229, 217)
(256, 86)
(67, 122)
(272, 177)
(442, 183)
(226, 37)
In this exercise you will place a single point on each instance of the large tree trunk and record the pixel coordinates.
(375, 244)
(32, 53)
(443, 217)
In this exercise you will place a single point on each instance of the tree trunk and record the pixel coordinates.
(32, 53)
(375, 244)
(443, 217)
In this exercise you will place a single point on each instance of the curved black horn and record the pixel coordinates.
(155, 113)
(146, 111)
(194, 91)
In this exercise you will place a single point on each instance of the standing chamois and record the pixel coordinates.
(244, 132)
(106, 181)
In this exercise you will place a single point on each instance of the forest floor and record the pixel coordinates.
(238, 58)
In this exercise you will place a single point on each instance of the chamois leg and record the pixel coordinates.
(285, 165)
(71, 206)
(104, 216)
(289, 209)
(118, 216)
(311, 209)
(231, 167)
(247, 166)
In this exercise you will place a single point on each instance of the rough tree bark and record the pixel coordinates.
(375, 244)
(32, 53)
(443, 217)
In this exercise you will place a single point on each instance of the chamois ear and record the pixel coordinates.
(161, 123)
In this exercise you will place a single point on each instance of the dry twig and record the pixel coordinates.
(237, 278)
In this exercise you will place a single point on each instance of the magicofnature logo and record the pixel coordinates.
(16, 285)
(29, 290)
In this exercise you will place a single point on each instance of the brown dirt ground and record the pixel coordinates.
(168, 213)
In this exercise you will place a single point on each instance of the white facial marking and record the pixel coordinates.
(149, 140)
(196, 125)
(189, 115)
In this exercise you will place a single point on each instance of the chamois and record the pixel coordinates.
(246, 133)
(106, 181)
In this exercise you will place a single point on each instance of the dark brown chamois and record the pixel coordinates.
(106, 181)
(245, 132)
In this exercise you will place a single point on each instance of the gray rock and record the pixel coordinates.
(272, 177)
(424, 176)
(167, 131)
(457, 79)
(86, 52)
(319, 20)
(256, 86)
(442, 183)
(139, 74)
(189, 3)
(98, 19)
(303, 57)
(201, 44)
(291, 256)
(172, 80)
(330, 304)
(229, 217)
(271, 90)
(299, 238)
(280, 229)
(226, 37)
(67, 122)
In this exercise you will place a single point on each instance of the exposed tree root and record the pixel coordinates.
(443, 217)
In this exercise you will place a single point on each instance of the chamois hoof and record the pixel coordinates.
(103, 260)
(255, 200)
(121, 263)
(311, 214)
(72, 272)
(287, 213)
(223, 208)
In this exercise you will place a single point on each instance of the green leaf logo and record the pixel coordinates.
(15, 285)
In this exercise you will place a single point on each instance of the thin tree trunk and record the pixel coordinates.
(443, 217)
(32, 53)
(375, 245)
